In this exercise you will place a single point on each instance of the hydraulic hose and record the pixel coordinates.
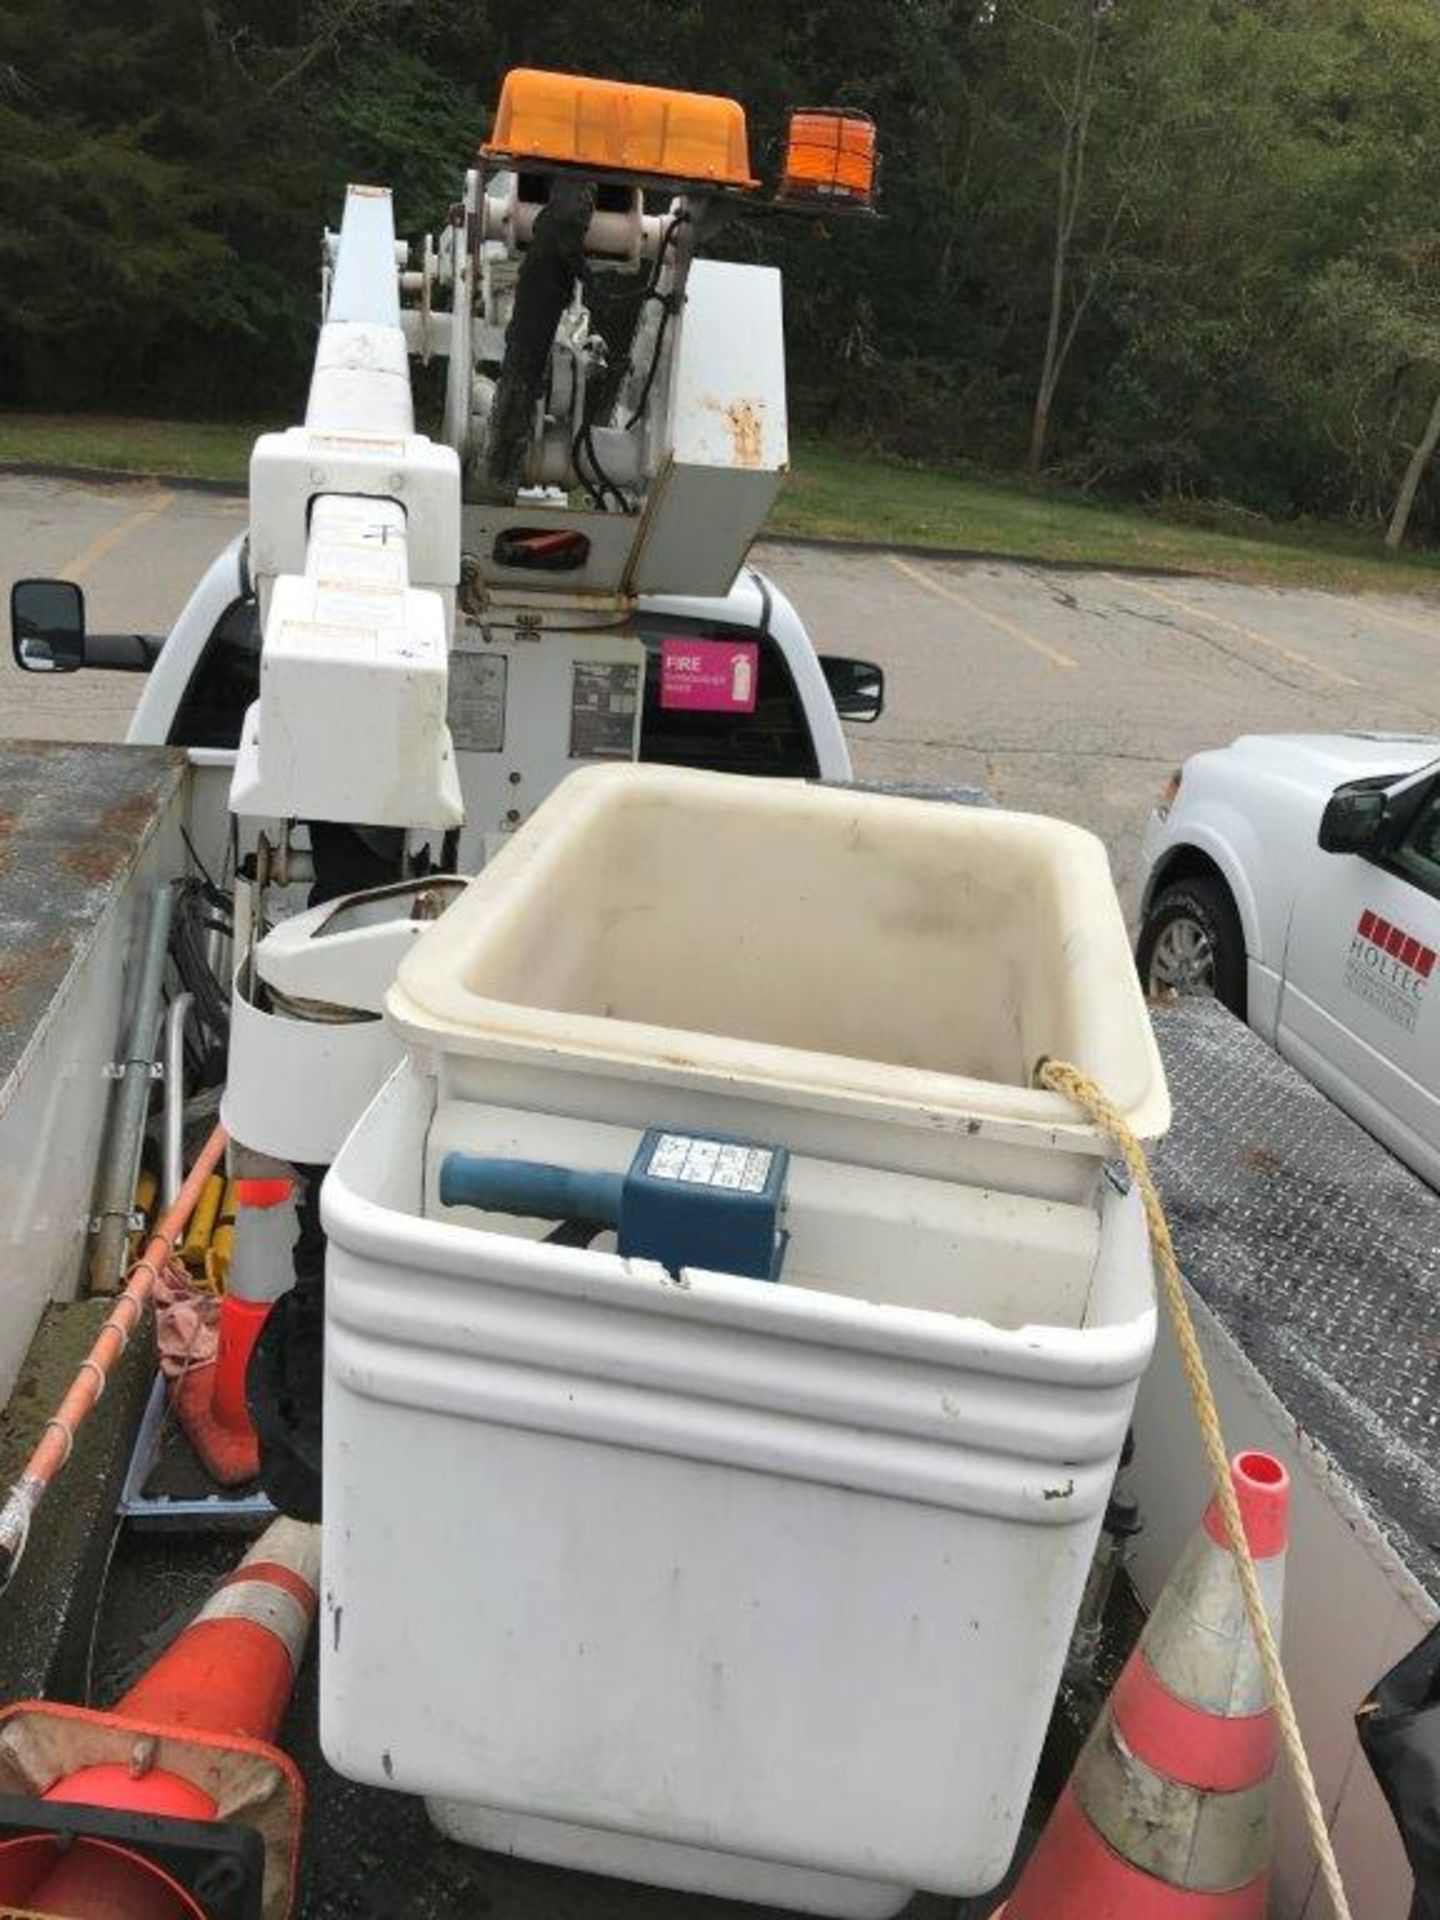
(554, 263)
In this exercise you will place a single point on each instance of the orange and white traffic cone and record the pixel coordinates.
(209, 1401)
(1167, 1814)
(175, 1805)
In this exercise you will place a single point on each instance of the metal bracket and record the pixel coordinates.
(221, 1509)
(135, 1221)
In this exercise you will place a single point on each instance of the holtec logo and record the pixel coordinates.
(1389, 968)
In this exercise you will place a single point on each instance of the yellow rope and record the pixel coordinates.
(1062, 1078)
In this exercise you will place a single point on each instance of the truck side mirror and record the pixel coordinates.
(1352, 819)
(856, 686)
(47, 626)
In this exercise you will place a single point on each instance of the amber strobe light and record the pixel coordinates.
(604, 126)
(829, 156)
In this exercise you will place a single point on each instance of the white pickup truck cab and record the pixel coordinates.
(205, 674)
(1297, 878)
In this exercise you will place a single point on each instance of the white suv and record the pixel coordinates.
(1297, 879)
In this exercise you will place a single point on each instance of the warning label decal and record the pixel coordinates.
(709, 676)
(710, 1163)
(1389, 969)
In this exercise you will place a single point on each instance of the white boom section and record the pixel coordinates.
(355, 548)
(350, 723)
(361, 378)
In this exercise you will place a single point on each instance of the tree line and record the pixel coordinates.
(1180, 249)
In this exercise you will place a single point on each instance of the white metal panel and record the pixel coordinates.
(726, 430)
(727, 393)
(543, 684)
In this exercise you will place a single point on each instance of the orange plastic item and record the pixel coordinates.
(829, 155)
(93, 1877)
(1165, 1816)
(191, 1740)
(610, 127)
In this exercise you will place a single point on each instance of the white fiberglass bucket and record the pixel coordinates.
(761, 1589)
(659, 944)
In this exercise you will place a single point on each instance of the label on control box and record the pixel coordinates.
(725, 1164)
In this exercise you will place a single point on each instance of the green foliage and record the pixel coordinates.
(1250, 306)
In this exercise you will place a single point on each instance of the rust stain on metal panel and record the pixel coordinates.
(19, 972)
(747, 432)
(111, 842)
(96, 860)
(128, 816)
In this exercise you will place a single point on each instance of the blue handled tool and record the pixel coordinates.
(687, 1200)
(530, 1188)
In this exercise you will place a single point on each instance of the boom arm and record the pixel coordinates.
(355, 547)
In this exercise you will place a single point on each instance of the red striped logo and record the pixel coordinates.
(1401, 946)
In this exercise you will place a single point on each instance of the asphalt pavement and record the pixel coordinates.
(1062, 692)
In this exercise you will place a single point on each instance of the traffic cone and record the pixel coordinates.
(1167, 1814)
(175, 1805)
(210, 1401)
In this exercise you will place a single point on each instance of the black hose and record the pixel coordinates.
(668, 304)
(555, 261)
(187, 952)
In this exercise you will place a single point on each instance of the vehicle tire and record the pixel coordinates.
(1191, 943)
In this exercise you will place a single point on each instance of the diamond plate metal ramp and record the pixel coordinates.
(1320, 1253)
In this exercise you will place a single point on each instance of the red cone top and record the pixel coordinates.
(1262, 1487)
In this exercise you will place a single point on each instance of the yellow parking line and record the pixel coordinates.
(106, 542)
(1430, 629)
(1295, 658)
(1006, 626)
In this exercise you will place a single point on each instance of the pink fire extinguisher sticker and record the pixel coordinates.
(709, 676)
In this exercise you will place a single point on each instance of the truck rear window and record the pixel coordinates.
(224, 684)
(773, 739)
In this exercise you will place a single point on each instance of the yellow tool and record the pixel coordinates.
(196, 1243)
(222, 1241)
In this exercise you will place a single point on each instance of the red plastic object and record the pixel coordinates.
(90, 1880)
(204, 1714)
(1262, 1487)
